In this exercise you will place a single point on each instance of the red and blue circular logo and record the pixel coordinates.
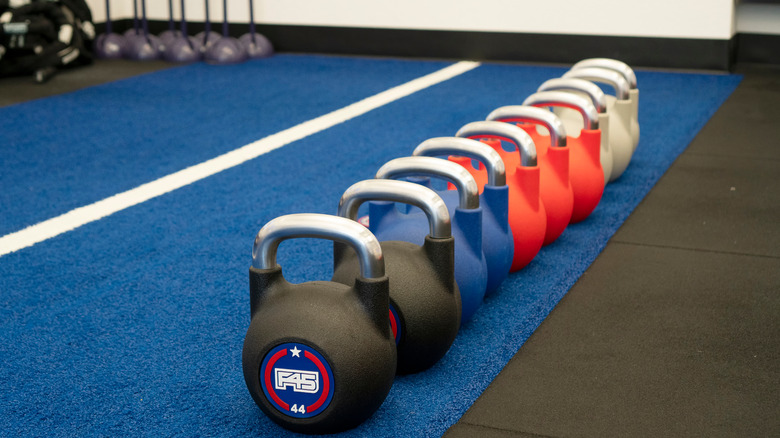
(297, 380)
(395, 324)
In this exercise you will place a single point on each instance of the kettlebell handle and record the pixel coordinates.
(322, 226)
(567, 100)
(604, 76)
(468, 192)
(398, 191)
(506, 132)
(610, 64)
(466, 147)
(530, 114)
(597, 96)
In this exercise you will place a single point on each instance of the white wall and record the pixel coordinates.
(705, 19)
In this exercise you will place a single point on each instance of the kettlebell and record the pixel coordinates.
(527, 215)
(425, 305)
(628, 73)
(471, 270)
(554, 163)
(573, 121)
(497, 243)
(621, 111)
(585, 172)
(318, 357)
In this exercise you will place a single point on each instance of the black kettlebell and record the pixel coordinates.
(319, 357)
(425, 306)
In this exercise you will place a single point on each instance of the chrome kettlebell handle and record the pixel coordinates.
(398, 191)
(597, 96)
(323, 226)
(503, 131)
(466, 147)
(561, 98)
(520, 113)
(468, 192)
(604, 76)
(610, 64)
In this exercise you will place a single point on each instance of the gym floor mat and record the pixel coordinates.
(134, 324)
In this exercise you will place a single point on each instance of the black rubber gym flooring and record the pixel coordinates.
(675, 328)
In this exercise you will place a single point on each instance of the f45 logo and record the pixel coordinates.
(300, 381)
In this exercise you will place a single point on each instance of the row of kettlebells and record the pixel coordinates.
(320, 357)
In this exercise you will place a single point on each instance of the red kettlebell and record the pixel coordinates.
(527, 216)
(585, 171)
(572, 120)
(554, 162)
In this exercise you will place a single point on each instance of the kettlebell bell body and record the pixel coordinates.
(554, 164)
(319, 356)
(527, 214)
(573, 120)
(628, 74)
(497, 243)
(471, 272)
(425, 304)
(621, 112)
(585, 172)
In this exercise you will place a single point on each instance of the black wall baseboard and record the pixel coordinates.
(498, 46)
(488, 46)
(758, 48)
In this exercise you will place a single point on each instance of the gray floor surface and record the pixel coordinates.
(23, 88)
(675, 328)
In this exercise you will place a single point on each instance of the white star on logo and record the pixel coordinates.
(296, 352)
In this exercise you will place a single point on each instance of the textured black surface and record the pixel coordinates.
(747, 126)
(714, 203)
(471, 431)
(652, 341)
(23, 88)
(673, 330)
(754, 47)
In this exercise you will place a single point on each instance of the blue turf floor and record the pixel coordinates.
(134, 324)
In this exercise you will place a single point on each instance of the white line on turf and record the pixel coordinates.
(83, 215)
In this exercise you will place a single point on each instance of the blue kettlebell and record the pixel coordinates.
(497, 242)
(388, 223)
